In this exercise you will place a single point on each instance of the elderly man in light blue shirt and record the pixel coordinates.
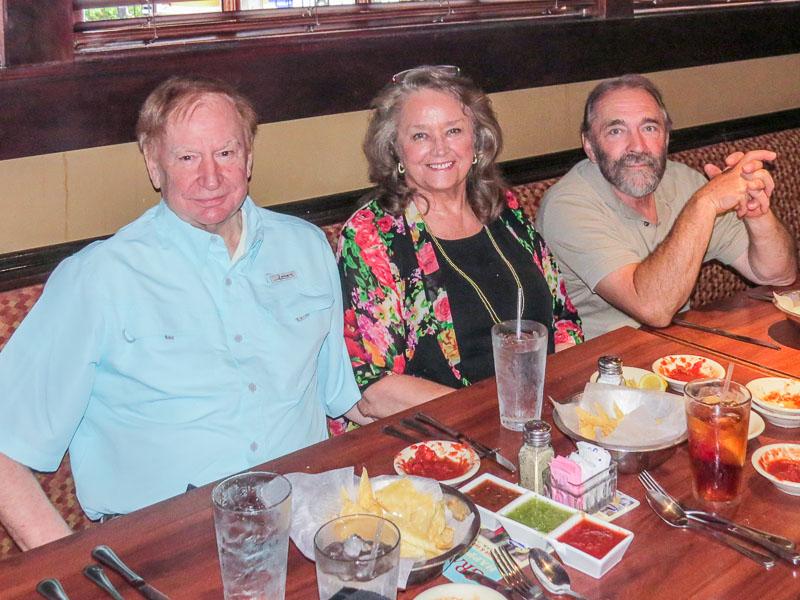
(202, 339)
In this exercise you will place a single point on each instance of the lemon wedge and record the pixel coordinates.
(651, 381)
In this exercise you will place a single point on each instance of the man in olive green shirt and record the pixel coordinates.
(630, 229)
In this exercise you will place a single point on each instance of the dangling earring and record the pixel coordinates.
(400, 168)
(475, 160)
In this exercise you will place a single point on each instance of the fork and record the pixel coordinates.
(776, 544)
(513, 575)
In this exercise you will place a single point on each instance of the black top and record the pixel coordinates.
(477, 257)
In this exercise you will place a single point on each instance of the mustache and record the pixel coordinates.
(638, 158)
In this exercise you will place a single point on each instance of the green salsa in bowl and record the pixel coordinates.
(530, 518)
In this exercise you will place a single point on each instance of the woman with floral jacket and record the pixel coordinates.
(440, 252)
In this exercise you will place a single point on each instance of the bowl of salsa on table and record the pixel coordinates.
(446, 462)
(679, 369)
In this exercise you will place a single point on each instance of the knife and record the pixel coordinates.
(498, 587)
(490, 452)
(395, 432)
(734, 336)
(106, 555)
(51, 589)
(429, 433)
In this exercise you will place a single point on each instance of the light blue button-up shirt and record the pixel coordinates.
(159, 363)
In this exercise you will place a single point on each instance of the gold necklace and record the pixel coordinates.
(479, 291)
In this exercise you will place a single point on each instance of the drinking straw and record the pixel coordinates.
(727, 382)
(373, 551)
(519, 313)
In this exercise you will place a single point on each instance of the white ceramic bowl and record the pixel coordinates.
(460, 591)
(591, 565)
(776, 418)
(764, 455)
(520, 532)
(453, 450)
(488, 517)
(761, 388)
(710, 368)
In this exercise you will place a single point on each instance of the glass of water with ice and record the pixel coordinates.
(357, 558)
(251, 518)
(519, 367)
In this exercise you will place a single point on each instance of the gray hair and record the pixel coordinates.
(630, 81)
(485, 186)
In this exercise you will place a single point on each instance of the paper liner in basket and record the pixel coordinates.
(316, 499)
(651, 418)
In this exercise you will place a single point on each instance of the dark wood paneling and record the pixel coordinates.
(94, 102)
(18, 269)
(37, 31)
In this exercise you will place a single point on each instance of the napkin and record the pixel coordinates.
(789, 301)
(651, 417)
(316, 499)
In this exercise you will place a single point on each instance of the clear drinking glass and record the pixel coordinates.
(251, 518)
(519, 366)
(717, 439)
(357, 556)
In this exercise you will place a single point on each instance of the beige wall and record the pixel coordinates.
(85, 193)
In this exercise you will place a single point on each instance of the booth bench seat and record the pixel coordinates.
(714, 282)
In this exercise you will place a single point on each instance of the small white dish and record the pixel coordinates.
(778, 419)
(525, 535)
(766, 454)
(442, 448)
(460, 591)
(488, 516)
(664, 365)
(591, 565)
(629, 373)
(766, 392)
(756, 427)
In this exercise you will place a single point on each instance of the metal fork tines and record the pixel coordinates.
(778, 545)
(513, 575)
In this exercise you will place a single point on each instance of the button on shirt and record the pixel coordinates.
(160, 362)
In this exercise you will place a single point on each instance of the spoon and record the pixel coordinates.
(51, 589)
(674, 515)
(550, 573)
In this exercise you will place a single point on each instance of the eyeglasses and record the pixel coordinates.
(451, 70)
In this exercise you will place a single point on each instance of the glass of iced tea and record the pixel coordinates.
(717, 426)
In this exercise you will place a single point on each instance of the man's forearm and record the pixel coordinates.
(771, 253)
(653, 290)
(25, 511)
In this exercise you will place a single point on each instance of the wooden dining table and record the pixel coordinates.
(745, 313)
(172, 543)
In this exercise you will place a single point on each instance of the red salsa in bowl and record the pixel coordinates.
(447, 462)
(592, 538)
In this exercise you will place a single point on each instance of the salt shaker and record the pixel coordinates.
(534, 456)
(609, 369)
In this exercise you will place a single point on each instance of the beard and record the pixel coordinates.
(638, 182)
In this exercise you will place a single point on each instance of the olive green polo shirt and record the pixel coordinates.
(592, 234)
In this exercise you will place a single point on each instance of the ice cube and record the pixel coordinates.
(355, 546)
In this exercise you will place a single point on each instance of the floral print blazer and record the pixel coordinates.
(387, 311)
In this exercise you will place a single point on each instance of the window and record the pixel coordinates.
(103, 25)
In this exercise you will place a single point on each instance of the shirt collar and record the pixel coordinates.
(196, 243)
(592, 174)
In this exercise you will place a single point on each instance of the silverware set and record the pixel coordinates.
(52, 589)
(514, 577)
(724, 530)
(432, 428)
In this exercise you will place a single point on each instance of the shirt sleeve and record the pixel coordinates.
(336, 384)
(47, 369)
(375, 330)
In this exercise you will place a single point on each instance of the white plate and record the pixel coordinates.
(629, 373)
(778, 419)
(442, 448)
(777, 451)
(711, 368)
(460, 591)
(756, 425)
(764, 386)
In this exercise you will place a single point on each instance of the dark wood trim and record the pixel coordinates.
(27, 267)
(36, 32)
(94, 101)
